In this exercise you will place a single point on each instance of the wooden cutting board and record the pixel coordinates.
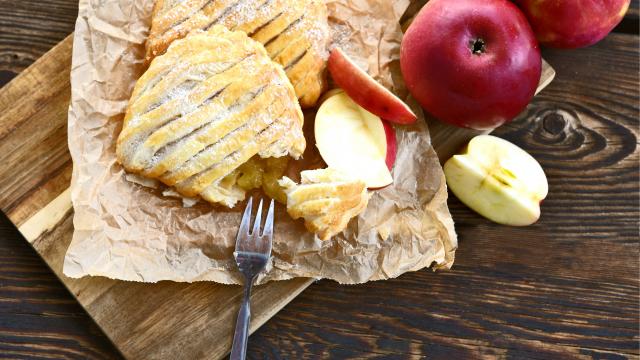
(164, 320)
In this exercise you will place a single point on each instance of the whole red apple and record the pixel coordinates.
(573, 23)
(471, 63)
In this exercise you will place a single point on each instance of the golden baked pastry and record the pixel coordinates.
(327, 199)
(213, 101)
(294, 32)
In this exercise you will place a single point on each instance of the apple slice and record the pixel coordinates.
(498, 180)
(390, 132)
(366, 91)
(329, 94)
(392, 144)
(353, 140)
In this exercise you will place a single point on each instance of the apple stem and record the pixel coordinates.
(477, 46)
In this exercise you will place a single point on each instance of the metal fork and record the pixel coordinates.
(252, 255)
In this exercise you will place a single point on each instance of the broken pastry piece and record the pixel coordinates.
(294, 32)
(327, 199)
(200, 111)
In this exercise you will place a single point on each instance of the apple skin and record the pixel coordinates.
(482, 89)
(498, 180)
(571, 24)
(366, 91)
(392, 144)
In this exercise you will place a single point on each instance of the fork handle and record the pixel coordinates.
(241, 336)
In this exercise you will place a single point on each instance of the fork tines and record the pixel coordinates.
(255, 241)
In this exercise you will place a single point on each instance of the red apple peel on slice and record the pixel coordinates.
(366, 91)
(392, 144)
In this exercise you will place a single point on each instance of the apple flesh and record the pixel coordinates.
(572, 24)
(471, 63)
(329, 94)
(390, 132)
(355, 141)
(366, 91)
(498, 180)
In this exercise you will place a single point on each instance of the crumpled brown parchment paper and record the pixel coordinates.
(131, 232)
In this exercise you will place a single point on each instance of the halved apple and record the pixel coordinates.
(498, 180)
(355, 141)
(366, 91)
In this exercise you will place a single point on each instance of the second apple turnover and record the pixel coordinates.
(294, 32)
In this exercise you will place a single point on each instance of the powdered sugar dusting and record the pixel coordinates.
(315, 29)
(244, 12)
(252, 14)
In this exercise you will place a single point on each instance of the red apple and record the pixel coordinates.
(471, 63)
(366, 91)
(573, 23)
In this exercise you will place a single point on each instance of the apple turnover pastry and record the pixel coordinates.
(327, 199)
(208, 105)
(294, 32)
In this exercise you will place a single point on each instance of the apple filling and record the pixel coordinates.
(263, 173)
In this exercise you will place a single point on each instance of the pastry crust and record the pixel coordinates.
(294, 32)
(214, 100)
(327, 199)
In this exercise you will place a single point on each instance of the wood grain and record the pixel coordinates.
(566, 287)
(39, 319)
(631, 22)
(36, 106)
(30, 28)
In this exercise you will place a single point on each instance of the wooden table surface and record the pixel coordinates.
(566, 287)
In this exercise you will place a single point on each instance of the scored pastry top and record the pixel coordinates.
(326, 199)
(213, 101)
(294, 32)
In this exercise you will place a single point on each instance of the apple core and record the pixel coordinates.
(477, 46)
